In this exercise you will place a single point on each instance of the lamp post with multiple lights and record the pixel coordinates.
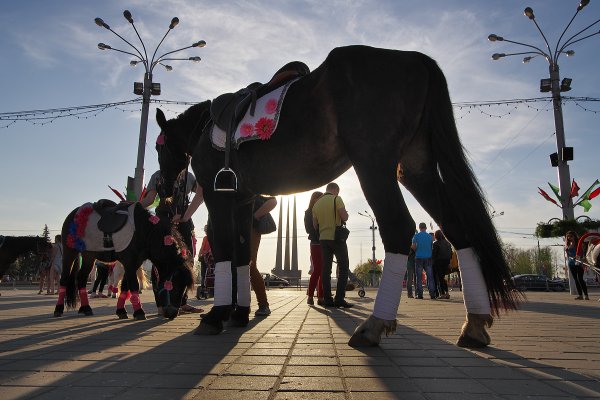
(373, 260)
(147, 88)
(555, 86)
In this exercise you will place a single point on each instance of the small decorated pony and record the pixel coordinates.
(127, 233)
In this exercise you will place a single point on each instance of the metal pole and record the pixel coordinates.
(564, 176)
(139, 169)
(374, 262)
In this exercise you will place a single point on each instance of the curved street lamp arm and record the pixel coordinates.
(545, 40)
(176, 59)
(556, 51)
(170, 52)
(525, 52)
(539, 51)
(570, 41)
(141, 56)
(143, 46)
(153, 62)
(131, 54)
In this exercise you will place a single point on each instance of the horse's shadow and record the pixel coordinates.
(163, 358)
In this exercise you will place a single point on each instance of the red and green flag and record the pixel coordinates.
(555, 189)
(574, 189)
(545, 195)
(584, 200)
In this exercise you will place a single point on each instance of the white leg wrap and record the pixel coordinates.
(474, 287)
(223, 283)
(243, 286)
(390, 288)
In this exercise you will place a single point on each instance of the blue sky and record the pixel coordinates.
(50, 60)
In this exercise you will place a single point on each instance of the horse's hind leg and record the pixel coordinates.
(69, 257)
(396, 227)
(82, 278)
(425, 184)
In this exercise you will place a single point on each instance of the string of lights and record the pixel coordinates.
(42, 117)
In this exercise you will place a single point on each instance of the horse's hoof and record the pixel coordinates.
(473, 334)
(122, 313)
(139, 315)
(170, 312)
(240, 317)
(86, 310)
(369, 332)
(58, 310)
(209, 327)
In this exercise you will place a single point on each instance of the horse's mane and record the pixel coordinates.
(146, 228)
(194, 110)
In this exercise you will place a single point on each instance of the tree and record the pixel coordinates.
(46, 234)
(532, 261)
(363, 272)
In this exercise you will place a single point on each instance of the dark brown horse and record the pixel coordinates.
(142, 237)
(11, 247)
(388, 114)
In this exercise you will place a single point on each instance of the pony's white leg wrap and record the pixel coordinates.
(243, 285)
(223, 285)
(390, 288)
(474, 288)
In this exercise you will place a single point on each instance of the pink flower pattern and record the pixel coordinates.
(264, 128)
(168, 240)
(271, 106)
(168, 286)
(154, 219)
(246, 130)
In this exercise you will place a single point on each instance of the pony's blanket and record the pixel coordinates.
(261, 125)
(94, 237)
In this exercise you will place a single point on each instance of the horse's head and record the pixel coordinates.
(173, 262)
(178, 137)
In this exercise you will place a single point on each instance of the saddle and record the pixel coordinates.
(228, 109)
(113, 216)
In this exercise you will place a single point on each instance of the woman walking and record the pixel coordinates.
(575, 267)
(316, 256)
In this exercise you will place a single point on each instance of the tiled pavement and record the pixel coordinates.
(548, 350)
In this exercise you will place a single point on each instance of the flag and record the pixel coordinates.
(584, 200)
(585, 204)
(115, 191)
(555, 190)
(130, 195)
(545, 195)
(574, 189)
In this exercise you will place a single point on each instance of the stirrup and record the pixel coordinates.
(226, 181)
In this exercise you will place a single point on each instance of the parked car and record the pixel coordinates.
(538, 282)
(272, 280)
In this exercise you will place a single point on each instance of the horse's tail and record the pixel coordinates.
(460, 188)
(71, 265)
(143, 278)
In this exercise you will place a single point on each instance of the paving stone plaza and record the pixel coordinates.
(548, 350)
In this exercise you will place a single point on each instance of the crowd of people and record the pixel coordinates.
(431, 255)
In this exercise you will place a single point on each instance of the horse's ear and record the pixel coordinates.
(161, 120)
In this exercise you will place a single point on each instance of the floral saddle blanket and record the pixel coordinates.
(258, 123)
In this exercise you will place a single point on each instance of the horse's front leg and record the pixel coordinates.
(221, 235)
(243, 217)
(131, 280)
(86, 267)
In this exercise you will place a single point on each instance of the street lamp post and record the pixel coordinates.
(555, 86)
(373, 260)
(147, 88)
